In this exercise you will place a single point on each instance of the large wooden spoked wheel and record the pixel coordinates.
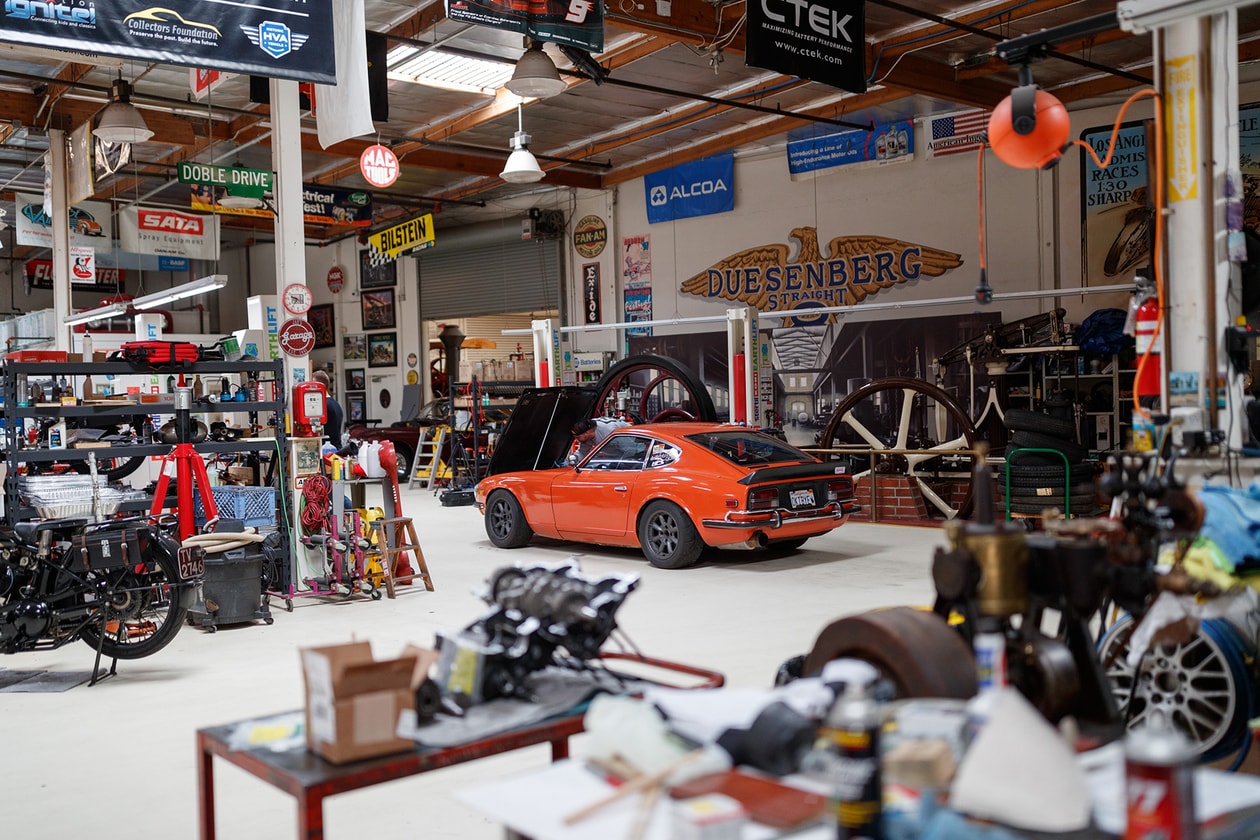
(903, 413)
(656, 389)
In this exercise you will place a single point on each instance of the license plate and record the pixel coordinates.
(192, 563)
(801, 498)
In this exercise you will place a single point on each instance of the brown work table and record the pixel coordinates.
(310, 779)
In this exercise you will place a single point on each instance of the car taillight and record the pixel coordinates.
(838, 489)
(766, 498)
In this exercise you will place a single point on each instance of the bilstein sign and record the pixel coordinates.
(409, 236)
(853, 269)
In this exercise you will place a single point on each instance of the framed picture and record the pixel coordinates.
(356, 406)
(354, 347)
(378, 309)
(383, 349)
(356, 379)
(321, 318)
(306, 456)
(376, 276)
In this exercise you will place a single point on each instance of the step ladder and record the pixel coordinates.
(427, 466)
(389, 534)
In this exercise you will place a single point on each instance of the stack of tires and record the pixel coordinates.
(1039, 480)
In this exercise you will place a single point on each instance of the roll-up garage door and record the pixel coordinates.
(490, 272)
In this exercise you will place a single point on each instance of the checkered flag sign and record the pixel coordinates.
(376, 258)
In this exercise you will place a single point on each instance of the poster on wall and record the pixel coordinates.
(954, 134)
(1249, 163)
(89, 223)
(152, 230)
(1116, 231)
(699, 188)
(815, 147)
(636, 281)
(590, 294)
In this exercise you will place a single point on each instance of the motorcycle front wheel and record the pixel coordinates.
(139, 610)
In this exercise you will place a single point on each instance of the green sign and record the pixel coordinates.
(248, 183)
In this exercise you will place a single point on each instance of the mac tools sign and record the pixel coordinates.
(822, 43)
(168, 233)
(700, 188)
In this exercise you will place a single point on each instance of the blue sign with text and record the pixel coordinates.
(700, 188)
(172, 263)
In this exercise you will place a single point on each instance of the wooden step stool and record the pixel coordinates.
(389, 542)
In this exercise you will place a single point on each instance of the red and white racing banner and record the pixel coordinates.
(169, 233)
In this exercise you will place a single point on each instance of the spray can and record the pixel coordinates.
(852, 727)
(1159, 783)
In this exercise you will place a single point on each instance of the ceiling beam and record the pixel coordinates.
(918, 75)
(694, 21)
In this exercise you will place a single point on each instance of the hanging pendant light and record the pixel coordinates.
(536, 75)
(121, 121)
(522, 167)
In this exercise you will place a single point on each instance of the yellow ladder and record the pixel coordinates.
(427, 466)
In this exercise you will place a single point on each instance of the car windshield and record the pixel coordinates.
(746, 447)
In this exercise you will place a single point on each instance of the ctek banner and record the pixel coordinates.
(286, 39)
(170, 233)
(700, 188)
(816, 41)
(411, 235)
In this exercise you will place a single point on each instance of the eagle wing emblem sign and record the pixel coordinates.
(853, 268)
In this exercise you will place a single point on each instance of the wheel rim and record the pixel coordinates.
(135, 607)
(1195, 685)
(501, 518)
(663, 534)
(905, 413)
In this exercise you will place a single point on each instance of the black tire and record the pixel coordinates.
(612, 381)
(1021, 471)
(144, 599)
(667, 536)
(787, 545)
(1036, 440)
(505, 521)
(1090, 507)
(1023, 420)
(404, 456)
(1079, 500)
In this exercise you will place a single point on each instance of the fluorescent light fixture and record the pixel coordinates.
(440, 69)
(87, 316)
(1144, 15)
(196, 287)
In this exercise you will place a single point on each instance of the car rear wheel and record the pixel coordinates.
(404, 461)
(667, 536)
(505, 521)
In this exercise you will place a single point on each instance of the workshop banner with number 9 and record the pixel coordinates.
(578, 23)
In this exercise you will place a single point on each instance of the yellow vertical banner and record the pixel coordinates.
(1181, 77)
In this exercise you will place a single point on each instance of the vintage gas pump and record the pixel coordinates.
(310, 409)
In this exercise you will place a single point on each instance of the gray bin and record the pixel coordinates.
(231, 592)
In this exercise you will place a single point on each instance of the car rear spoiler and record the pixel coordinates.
(792, 471)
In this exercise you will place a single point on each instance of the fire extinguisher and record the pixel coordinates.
(1148, 384)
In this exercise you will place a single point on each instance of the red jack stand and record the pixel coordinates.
(188, 468)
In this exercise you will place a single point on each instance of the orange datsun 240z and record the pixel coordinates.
(671, 489)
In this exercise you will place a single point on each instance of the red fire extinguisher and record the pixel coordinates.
(1149, 380)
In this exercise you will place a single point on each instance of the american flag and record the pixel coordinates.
(963, 132)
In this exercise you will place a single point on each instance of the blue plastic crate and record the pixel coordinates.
(255, 506)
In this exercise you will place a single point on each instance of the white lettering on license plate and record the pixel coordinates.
(192, 564)
(802, 498)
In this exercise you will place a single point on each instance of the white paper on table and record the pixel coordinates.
(1020, 772)
(535, 804)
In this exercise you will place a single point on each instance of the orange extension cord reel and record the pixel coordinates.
(1029, 129)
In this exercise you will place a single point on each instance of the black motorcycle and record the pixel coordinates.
(123, 586)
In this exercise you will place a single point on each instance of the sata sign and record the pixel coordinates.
(170, 233)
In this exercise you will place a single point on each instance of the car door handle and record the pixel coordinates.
(621, 488)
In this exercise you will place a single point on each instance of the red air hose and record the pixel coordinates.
(316, 504)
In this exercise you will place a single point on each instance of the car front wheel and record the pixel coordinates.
(505, 521)
(667, 536)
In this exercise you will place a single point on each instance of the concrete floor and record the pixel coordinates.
(118, 758)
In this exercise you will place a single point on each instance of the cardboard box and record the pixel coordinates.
(353, 701)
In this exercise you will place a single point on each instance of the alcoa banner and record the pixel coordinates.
(277, 38)
(168, 233)
(699, 188)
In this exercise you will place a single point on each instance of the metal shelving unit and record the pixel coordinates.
(17, 452)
